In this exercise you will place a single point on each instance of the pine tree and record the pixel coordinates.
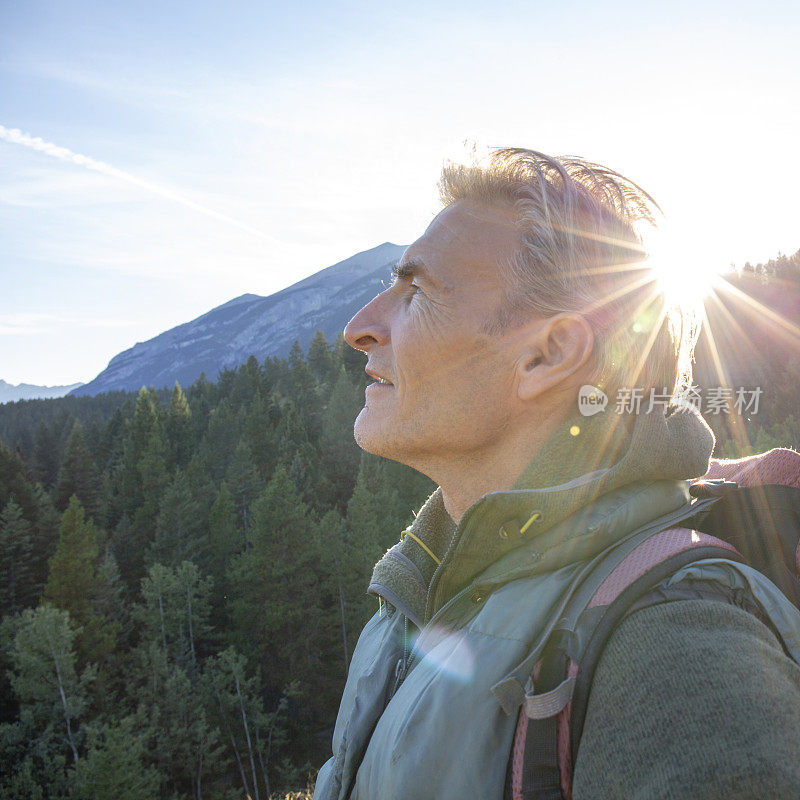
(73, 583)
(259, 433)
(339, 452)
(301, 387)
(72, 578)
(15, 550)
(320, 358)
(175, 611)
(224, 539)
(273, 584)
(114, 767)
(187, 747)
(179, 427)
(17, 483)
(46, 455)
(243, 481)
(78, 476)
(179, 532)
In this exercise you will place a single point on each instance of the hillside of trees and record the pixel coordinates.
(182, 580)
(183, 573)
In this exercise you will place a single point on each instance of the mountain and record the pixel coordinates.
(251, 325)
(27, 391)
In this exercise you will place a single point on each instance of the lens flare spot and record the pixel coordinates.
(449, 652)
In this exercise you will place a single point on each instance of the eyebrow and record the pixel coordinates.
(411, 268)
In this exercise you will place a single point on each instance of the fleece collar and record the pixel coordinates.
(585, 459)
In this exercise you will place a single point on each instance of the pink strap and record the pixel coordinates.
(564, 754)
(650, 552)
(781, 466)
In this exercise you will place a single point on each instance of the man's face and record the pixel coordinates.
(448, 383)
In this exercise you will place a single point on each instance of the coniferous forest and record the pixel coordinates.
(183, 576)
(182, 580)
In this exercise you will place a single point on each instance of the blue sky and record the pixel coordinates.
(249, 144)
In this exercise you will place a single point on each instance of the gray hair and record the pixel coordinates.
(580, 251)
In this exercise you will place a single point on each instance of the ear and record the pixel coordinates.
(558, 348)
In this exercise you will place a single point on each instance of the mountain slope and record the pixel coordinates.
(251, 324)
(27, 391)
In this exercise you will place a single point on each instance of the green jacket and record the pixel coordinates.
(442, 725)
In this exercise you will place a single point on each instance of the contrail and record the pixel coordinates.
(16, 136)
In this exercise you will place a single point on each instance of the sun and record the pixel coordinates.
(686, 267)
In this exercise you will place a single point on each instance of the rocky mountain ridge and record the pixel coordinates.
(251, 325)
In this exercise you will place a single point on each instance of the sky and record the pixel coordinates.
(160, 158)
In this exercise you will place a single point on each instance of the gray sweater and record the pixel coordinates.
(691, 699)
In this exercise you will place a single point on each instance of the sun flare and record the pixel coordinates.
(686, 267)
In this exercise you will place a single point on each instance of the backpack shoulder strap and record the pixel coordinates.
(540, 767)
(657, 559)
(756, 495)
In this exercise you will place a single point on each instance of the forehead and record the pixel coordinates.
(467, 240)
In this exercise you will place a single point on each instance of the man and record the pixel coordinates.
(529, 285)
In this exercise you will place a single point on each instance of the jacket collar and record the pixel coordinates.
(562, 484)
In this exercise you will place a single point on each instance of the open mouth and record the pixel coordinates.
(379, 379)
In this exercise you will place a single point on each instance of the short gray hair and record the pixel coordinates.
(581, 251)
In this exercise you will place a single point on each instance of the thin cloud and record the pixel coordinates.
(16, 136)
(22, 324)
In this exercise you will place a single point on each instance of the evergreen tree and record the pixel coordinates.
(301, 387)
(223, 433)
(15, 551)
(273, 585)
(320, 359)
(175, 611)
(179, 532)
(259, 433)
(375, 515)
(72, 578)
(114, 767)
(78, 476)
(339, 452)
(343, 602)
(73, 583)
(243, 481)
(46, 459)
(179, 427)
(247, 381)
(16, 483)
(224, 539)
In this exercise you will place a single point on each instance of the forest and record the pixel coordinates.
(183, 575)
(182, 580)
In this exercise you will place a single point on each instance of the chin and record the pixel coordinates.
(371, 436)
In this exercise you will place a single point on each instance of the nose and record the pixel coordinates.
(367, 328)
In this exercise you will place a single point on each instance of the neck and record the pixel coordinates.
(466, 477)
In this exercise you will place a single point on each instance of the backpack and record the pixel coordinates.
(744, 510)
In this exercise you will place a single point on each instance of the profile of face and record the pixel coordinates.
(445, 384)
